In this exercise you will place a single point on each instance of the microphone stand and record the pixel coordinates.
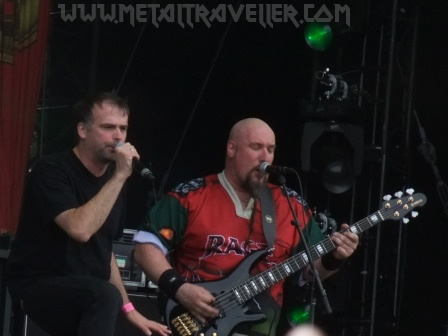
(428, 151)
(316, 277)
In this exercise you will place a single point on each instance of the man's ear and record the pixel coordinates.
(231, 149)
(82, 130)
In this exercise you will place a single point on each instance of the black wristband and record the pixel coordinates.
(170, 281)
(330, 263)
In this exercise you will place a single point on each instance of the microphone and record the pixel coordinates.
(142, 170)
(266, 168)
(139, 167)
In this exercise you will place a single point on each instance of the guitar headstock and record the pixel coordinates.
(399, 207)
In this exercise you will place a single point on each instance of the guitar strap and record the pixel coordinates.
(268, 215)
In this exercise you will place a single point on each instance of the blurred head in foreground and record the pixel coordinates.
(305, 330)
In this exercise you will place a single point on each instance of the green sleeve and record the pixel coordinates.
(167, 220)
(313, 235)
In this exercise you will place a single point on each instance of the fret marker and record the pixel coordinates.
(254, 285)
(287, 269)
(374, 218)
(247, 290)
(319, 249)
(305, 257)
(263, 283)
(271, 276)
(238, 296)
(354, 229)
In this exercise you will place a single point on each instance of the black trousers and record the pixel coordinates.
(73, 305)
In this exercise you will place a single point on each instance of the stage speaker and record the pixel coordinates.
(147, 305)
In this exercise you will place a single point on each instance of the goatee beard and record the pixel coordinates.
(253, 187)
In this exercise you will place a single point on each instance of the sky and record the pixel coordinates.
(186, 86)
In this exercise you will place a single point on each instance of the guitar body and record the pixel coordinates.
(222, 326)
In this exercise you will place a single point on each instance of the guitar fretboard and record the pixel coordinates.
(260, 282)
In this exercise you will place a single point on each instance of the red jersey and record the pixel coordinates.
(204, 226)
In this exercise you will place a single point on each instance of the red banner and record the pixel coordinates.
(23, 42)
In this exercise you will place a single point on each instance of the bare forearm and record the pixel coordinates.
(194, 298)
(81, 223)
(115, 279)
(152, 261)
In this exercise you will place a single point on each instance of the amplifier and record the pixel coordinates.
(131, 274)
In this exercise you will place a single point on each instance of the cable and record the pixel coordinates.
(429, 153)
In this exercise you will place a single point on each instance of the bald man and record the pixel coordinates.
(209, 225)
(305, 330)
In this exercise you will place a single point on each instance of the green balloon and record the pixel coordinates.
(318, 35)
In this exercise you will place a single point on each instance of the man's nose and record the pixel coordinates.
(265, 155)
(119, 134)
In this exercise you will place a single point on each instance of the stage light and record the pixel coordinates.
(332, 139)
(318, 35)
(298, 314)
(333, 151)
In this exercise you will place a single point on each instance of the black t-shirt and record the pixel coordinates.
(41, 248)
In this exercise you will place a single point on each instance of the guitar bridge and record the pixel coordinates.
(185, 325)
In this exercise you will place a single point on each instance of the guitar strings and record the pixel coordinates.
(277, 270)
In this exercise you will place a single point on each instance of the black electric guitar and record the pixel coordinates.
(232, 293)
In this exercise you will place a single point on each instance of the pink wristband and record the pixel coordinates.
(127, 307)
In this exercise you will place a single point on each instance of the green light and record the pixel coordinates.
(318, 36)
(298, 314)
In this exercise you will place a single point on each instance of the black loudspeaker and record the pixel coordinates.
(147, 305)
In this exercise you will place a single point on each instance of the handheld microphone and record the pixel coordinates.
(266, 168)
(139, 167)
(142, 170)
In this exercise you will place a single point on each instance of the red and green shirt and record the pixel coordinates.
(208, 233)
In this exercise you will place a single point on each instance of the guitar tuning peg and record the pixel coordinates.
(387, 197)
(405, 220)
(414, 214)
(410, 191)
(398, 194)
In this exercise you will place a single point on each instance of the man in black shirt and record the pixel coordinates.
(61, 268)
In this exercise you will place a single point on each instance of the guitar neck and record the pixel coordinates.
(260, 282)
